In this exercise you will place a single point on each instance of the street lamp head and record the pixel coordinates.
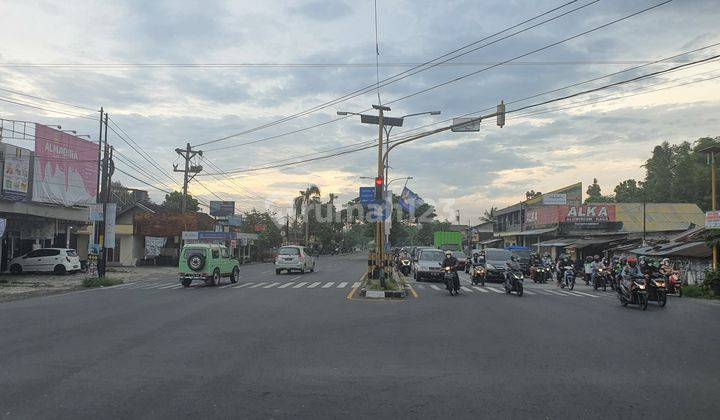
(381, 107)
(342, 113)
(435, 113)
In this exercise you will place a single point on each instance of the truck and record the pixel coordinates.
(448, 241)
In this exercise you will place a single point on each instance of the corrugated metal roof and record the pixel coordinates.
(659, 217)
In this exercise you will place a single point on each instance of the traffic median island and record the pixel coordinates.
(373, 289)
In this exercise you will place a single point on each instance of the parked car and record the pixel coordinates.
(207, 262)
(294, 257)
(428, 265)
(496, 263)
(56, 260)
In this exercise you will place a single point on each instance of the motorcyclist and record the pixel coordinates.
(512, 266)
(477, 259)
(563, 261)
(665, 267)
(452, 262)
(596, 266)
(630, 272)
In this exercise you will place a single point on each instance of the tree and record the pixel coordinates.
(173, 202)
(532, 194)
(269, 236)
(594, 194)
(301, 203)
(489, 215)
(659, 174)
(628, 191)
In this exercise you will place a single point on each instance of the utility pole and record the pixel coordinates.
(379, 230)
(96, 233)
(187, 154)
(713, 178)
(102, 260)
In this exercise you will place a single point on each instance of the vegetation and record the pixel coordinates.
(101, 282)
(173, 202)
(269, 236)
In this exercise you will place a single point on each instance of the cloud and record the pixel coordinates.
(323, 10)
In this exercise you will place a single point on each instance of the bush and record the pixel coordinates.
(101, 282)
(711, 284)
(694, 291)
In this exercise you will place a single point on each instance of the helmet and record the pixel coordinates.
(597, 258)
(448, 253)
(666, 261)
(632, 261)
(546, 255)
(476, 254)
(513, 258)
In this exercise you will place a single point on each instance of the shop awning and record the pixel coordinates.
(555, 242)
(527, 232)
(698, 249)
(490, 241)
(584, 243)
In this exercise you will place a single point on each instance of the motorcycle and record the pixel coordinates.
(452, 281)
(639, 295)
(545, 274)
(568, 278)
(514, 282)
(405, 267)
(601, 279)
(656, 290)
(674, 285)
(477, 273)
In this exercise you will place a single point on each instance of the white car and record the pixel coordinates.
(293, 257)
(56, 260)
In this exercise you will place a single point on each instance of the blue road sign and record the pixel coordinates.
(367, 195)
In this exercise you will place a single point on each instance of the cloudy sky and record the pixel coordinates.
(254, 63)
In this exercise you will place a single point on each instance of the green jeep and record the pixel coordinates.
(207, 262)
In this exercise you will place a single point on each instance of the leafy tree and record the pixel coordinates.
(302, 202)
(628, 191)
(173, 202)
(594, 193)
(489, 215)
(532, 194)
(660, 172)
(269, 236)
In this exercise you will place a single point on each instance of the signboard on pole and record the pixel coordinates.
(66, 168)
(465, 125)
(15, 173)
(554, 199)
(222, 208)
(95, 212)
(712, 219)
(367, 195)
(110, 213)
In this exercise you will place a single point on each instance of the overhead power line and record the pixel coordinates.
(456, 79)
(397, 77)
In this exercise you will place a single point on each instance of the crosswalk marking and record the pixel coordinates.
(480, 289)
(168, 286)
(553, 292)
(342, 284)
(311, 286)
(243, 285)
(465, 289)
(270, 285)
(328, 284)
(586, 294)
(225, 286)
(495, 290)
(285, 285)
(529, 292)
(299, 285)
(258, 285)
(434, 287)
(356, 284)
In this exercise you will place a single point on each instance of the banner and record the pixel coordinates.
(554, 199)
(153, 245)
(16, 173)
(95, 212)
(66, 168)
(3, 225)
(222, 208)
(588, 213)
(110, 212)
(712, 219)
(409, 200)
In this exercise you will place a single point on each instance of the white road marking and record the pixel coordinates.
(480, 289)
(586, 294)
(299, 285)
(311, 286)
(555, 292)
(243, 285)
(329, 284)
(420, 286)
(434, 287)
(465, 289)
(270, 285)
(285, 285)
(153, 286)
(529, 292)
(179, 286)
(356, 284)
(168, 286)
(295, 278)
(495, 290)
(342, 284)
(565, 292)
(258, 285)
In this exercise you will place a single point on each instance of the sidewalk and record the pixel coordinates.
(21, 286)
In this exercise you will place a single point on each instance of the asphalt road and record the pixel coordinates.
(276, 350)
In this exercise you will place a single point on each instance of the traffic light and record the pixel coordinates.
(379, 188)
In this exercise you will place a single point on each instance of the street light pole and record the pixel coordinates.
(380, 234)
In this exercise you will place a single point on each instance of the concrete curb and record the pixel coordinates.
(383, 294)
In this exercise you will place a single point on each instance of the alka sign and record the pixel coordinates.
(588, 213)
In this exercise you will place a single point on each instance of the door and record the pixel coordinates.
(225, 262)
(49, 259)
(31, 261)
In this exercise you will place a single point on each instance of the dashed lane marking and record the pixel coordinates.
(312, 286)
(328, 284)
(342, 284)
(285, 285)
(299, 285)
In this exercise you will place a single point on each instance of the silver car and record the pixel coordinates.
(294, 257)
(428, 265)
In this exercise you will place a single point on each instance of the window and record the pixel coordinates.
(289, 250)
(51, 252)
(223, 252)
(71, 253)
(34, 254)
(215, 253)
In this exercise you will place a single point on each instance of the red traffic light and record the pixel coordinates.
(378, 182)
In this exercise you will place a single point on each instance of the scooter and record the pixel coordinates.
(674, 285)
(514, 282)
(452, 281)
(656, 290)
(405, 266)
(477, 273)
(568, 278)
(638, 296)
(601, 279)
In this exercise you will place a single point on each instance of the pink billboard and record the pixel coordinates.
(66, 168)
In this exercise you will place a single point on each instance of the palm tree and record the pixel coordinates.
(489, 215)
(301, 203)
